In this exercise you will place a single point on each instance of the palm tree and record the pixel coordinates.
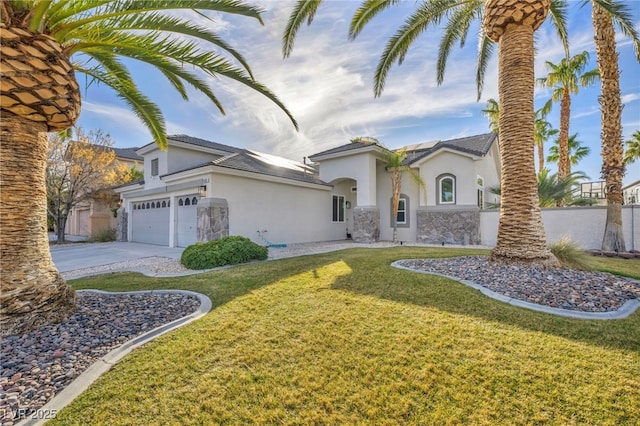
(632, 153)
(551, 189)
(511, 24)
(492, 112)
(566, 78)
(577, 151)
(543, 131)
(44, 43)
(603, 15)
(395, 163)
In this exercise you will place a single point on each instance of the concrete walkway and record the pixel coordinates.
(69, 257)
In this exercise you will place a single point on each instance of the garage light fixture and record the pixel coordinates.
(202, 190)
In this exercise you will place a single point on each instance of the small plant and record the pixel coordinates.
(225, 251)
(570, 254)
(104, 235)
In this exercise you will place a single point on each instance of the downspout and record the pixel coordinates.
(633, 234)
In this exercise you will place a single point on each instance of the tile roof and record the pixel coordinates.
(343, 148)
(476, 145)
(128, 153)
(204, 143)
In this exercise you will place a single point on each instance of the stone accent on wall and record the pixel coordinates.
(449, 226)
(366, 224)
(122, 226)
(213, 219)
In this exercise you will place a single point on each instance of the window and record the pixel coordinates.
(481, 199)
(402, 218)
(446, 189)
(338, 209)
(154, 167)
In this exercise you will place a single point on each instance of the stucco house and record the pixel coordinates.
(631, 193)
(199, 190)
(94, 215)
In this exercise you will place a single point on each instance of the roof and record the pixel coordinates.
(128, 153)
(478, 145)
(199, 142)
(344, 148)
(255, 162)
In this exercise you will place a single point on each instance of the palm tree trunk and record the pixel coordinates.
(611, 110)
(540, 156)
(33, 292)
(564, 163)
(521, 234)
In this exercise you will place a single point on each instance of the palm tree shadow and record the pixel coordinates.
(451, 296)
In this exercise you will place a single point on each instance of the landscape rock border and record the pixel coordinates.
(104, 364)
(624, 311)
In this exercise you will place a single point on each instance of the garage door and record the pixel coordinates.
(187, 231)
(150, 222)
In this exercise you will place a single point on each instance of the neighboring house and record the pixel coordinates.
(95, 215)
(199, 190)
(631, 193)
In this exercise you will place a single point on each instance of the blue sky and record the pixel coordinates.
(327, 85)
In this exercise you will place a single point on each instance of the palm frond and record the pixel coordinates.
(147, 111)
(558, 17)
(365, 13)
(155, 22)
(304, 10)
(485, 50)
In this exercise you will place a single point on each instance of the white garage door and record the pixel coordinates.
(150, 222)
(187, 231)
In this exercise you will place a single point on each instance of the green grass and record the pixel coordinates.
(344, 338)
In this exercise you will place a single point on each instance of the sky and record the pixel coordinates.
(327, 84)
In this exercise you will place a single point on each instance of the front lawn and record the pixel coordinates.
(343, 338)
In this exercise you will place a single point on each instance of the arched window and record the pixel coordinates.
(446, 185)
(148, 206)
(153, 205)
(187, 201)
(142, 206)
(164, 204)
(180, 202)
(135, 207)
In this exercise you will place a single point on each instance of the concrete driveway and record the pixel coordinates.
(69, 257)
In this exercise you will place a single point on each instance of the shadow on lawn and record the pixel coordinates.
(386, 282)
(372, 275)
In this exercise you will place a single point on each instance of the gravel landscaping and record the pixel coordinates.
(36, 366)
(557, 288)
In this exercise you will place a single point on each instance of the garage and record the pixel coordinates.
(187, 223)
(150, 221)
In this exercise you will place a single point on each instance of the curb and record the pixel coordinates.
(104, 364)
(624, 311)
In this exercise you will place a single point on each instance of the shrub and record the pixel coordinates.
(104, 235)
(225, 251)
(570, 254)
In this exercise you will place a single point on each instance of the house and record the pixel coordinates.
(631, 193)
(94, 215)
(199, 190)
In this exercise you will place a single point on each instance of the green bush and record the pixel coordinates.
(225, 251)
(570, 254)
(103, 235)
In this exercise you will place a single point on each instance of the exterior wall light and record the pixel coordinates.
(202, 190)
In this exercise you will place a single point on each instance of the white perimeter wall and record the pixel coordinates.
(583, 225)
(289, 214)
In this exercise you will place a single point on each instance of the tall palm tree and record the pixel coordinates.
(566, 78)
(632, 153)
(603, 14)
(395, 164)
(44, 43)
(577, 151)
(511, 24)
(542, 132)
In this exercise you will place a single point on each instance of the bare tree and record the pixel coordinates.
(79, 170)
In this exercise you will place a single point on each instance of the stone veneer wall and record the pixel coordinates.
(213, 219)
(448, 226)
(366, 224)
(122, 225)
